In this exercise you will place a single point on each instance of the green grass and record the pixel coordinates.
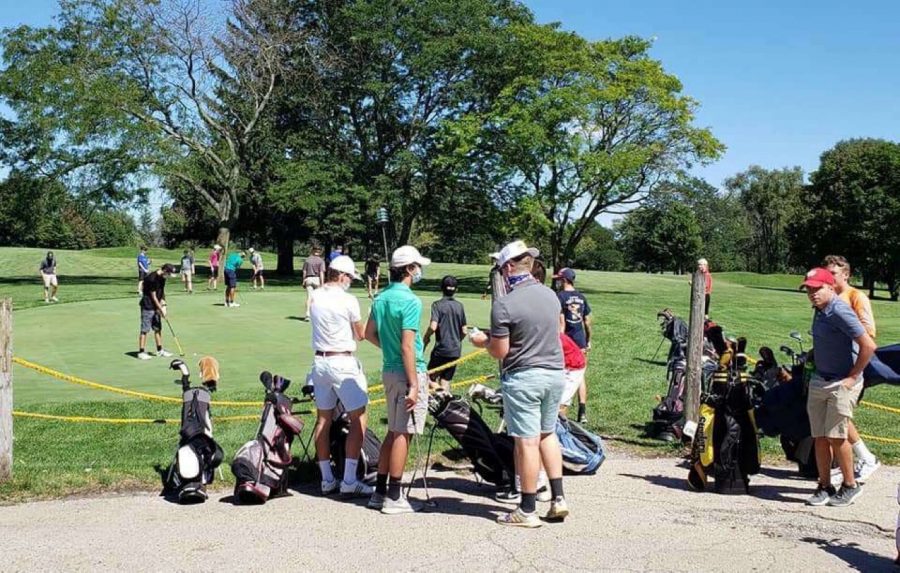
(94, 327)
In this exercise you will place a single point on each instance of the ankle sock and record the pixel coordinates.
(381, 484)
(862, 452)
(556, 487)
(350, 470)
(158, 348)
(325, 468)
(528, 502)
(393, 490)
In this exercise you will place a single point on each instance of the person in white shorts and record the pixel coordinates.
(337, 375)
(48, 274)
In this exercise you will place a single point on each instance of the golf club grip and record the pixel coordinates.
(266, 378)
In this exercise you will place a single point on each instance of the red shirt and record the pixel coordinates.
(707, 276)
(572, 353)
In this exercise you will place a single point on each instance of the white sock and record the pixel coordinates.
(862, 452)
(350, 470)
(325, 468)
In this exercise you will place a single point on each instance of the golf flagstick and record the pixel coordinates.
(177, 343)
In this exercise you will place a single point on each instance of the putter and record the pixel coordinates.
(658, 348)
(415, 438)
(172, 330)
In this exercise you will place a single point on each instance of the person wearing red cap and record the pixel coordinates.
(838, 336)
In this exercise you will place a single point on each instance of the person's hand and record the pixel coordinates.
(848, 383)
(478, 338)
(412, 398)
(426, 341)
(163, 311)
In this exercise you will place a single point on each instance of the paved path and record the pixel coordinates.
(635, 516)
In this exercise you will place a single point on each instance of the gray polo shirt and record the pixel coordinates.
(529, 317)
(834, 329)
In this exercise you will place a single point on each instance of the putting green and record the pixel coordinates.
(97, 340)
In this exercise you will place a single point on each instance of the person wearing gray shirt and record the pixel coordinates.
(525, 337)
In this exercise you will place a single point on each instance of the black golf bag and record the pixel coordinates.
(491, 453)
(261, 465)
(369, 455)
(198, 454)
(726, 444)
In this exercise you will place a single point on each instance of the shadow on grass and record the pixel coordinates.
(852, 555)
(782, 289)
(648, 361)
(298, 318)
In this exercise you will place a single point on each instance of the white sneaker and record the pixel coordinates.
(144, 356)
(543, 488)
(54, 299)
(234, 305)
(330, 486)
(356, 489)
(402, 505)
(862, 469)
(164, 353)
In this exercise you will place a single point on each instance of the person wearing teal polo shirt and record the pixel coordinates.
(232, 264)
(393, 326)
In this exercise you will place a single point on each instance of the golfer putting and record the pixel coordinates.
(153, 310)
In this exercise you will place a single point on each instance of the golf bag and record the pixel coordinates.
(261, 465)
(783, 413)
(491, 453)
(726, 443)
(198, 454)
(367, 469)
(582, 451)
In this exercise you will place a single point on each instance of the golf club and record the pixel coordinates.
(172, 330)
(796, 336)
(415, 438)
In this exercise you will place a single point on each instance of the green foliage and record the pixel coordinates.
(771, 200)
(661, 236)
(598, 251)
(852, 207)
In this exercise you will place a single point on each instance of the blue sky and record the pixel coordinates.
(778, 82)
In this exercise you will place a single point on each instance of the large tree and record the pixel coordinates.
(124, 88)
(662, 235)
(590, 127)
(852, 207)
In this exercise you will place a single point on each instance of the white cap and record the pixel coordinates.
(408, 255)
(702, 262)
(345, 265)
(218, 247)
(512, 251)
(251, 250)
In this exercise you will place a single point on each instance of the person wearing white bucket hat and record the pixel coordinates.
(393, 326)
(524, 336)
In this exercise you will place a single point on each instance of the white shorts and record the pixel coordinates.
(573, 381)
(49, 280)
(339, 378)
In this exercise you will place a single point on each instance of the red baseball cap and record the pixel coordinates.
(818, 277)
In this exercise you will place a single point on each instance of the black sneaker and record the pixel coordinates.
(846, 496)
(508, 496)
(822, 495)
(582, 419)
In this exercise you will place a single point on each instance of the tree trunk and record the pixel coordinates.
(223, 239)
(285, 254)
(893, 289)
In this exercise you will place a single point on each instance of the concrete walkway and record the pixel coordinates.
(635, 515)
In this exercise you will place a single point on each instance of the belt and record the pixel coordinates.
(328, 353)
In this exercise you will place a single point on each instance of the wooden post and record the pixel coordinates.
(695, 348)
(6, 397)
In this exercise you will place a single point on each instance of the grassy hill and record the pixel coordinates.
(92, 333)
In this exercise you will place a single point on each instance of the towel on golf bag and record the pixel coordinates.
(198, 454)
(209, 370)
(884, 367)
(260, 466)
(367, 470)
(491, 454)
(582, 451)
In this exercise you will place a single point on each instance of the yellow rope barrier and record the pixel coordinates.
(34, 415)
(880, 439)
(880, 407)
(133, 393)
(441, 368)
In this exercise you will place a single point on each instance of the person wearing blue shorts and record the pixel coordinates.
(524, 335)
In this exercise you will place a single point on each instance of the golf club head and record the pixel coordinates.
(715, 335)
(180, 365)
(768, 357)
(788, 350)
(266, 378)
(796, 336)
(742, 345)
(280, 383)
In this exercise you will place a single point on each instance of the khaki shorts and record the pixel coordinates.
(311, 283)
(399, 420)
(830, 407)
(49, 280)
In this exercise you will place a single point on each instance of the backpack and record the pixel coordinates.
(491, 454)
(582, 451)
(369, 455)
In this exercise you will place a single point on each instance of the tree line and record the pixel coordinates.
(291, 122)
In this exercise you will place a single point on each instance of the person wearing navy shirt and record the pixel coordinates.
(575, 322)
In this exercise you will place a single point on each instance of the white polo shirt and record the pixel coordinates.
(332, 313)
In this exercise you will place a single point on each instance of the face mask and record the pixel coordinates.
(417, 276)
(345, 286)
(516, 279)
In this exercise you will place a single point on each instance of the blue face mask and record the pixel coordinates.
(417, 276)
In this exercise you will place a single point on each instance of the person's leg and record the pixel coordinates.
(190, 278)
(309, 291)
(142, 342)
(358, 422)
(262, 281)
(399, 453)
(528, 464)
(841, 452)
(323, 446)
(823, 461)
(157, 335)
(551, 455)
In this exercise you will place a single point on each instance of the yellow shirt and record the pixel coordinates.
(861, 305)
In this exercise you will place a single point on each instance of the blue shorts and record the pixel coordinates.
(230, 278)
(531, 401)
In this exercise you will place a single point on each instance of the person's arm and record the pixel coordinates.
(498, 347)
(432, 328)
(587, 330)
(866, 350)
(359, 330)
(408, 353)
(157, 303)
(863, 310)
(372, 332)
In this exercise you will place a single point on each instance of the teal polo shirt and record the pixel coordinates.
(234, 262)
(396, 309)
